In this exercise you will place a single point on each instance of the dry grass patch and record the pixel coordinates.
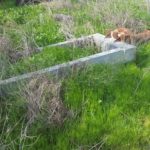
(66, 25)
(117, 14)
(44, 102)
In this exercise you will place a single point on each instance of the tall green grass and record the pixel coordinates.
(109, 104)
(110, 107)
(48, 57)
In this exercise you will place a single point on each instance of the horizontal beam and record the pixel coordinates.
(85, 41)
(118, 55)
(98, 40)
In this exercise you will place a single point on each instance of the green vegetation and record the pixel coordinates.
(48, 57)
(107, 107)
(34, 22)
(143, 56)
(111, 117)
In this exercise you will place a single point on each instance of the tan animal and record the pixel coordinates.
(120, 34)
(125, 35)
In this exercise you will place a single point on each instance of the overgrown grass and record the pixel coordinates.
(34, 22)
(109, 105)
(48, 57)
(103, 116)
(143, 56)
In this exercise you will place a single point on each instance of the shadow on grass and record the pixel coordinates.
(7, 4)
(143, 55)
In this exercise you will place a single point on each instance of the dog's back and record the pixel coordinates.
(140, 38)
(125, 35)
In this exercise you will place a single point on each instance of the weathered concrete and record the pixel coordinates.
(112, 52)
(94, 40)
(118, 55)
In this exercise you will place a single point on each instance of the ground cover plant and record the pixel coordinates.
(99, 107)
(101, 115)
(48, 57)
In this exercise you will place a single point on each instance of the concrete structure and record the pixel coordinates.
(117, 52)
(96, 40)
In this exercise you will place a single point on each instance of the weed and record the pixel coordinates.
(108, 105)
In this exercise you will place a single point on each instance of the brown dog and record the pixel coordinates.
(120, 34)
(125, 35)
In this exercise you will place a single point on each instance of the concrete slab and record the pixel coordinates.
(94, 40)
(112, 52)
(119, 55)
